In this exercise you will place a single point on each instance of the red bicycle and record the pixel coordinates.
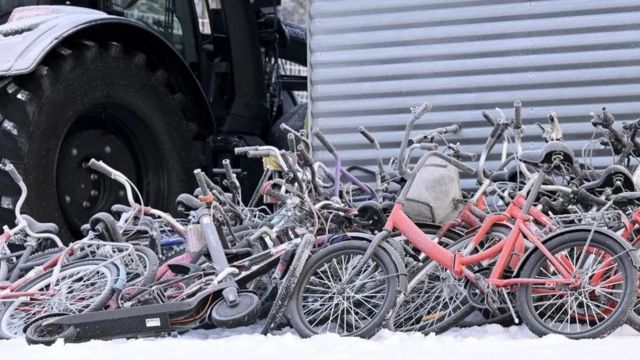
(580, 282)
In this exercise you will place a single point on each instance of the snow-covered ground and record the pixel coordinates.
(486, 342)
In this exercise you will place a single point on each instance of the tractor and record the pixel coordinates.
(156, 88)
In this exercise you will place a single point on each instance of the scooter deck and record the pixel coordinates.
(133, 322)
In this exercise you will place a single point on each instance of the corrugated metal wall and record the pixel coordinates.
(370, 60)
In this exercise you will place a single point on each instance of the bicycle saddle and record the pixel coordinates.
(548, 154)
(38, 227)
(612, 175)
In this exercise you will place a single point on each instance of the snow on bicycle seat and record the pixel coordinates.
(547, 153)
(38, 227)
(612, 175)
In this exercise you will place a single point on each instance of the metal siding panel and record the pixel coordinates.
(370, 60)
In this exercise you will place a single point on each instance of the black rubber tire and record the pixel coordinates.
(37, 110)
(288, 284)
(634, 315)
(98, 303)
(222, 317)
(601, 241)
(36, 333)
(380, 256)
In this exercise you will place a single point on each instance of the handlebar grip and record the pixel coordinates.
(258, 154)
(245, 149)
(291, 140)
(318, 134)
(517, 109)
(276, 195)
(488, 118)
(583, 195)
(452, 129)
(15, 175)
(101, 167)
(422, 109)
(227, 169)
(466, 156)
(606, 116)
(429, 146)
(201, 182)
(367, 135)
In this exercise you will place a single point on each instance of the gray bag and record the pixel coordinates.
(435, 195)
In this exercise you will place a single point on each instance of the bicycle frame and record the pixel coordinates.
(523, 229)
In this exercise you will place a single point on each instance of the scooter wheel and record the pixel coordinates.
(44, 331)
(245, 312)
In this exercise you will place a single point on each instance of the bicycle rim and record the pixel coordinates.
(88, 292)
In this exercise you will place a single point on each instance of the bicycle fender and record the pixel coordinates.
(586, 229)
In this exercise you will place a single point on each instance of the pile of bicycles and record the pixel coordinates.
(545, 239)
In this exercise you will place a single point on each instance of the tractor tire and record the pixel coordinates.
(94, 100)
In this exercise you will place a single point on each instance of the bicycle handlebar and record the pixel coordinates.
(258, 154)
(228, 170)
(488, 118)
(367, 135)
(8, 167)
(320, 136)
(202, 183)
(103, 168)
(429, 146)
(245, 149)
(517, 107)
(421, 109)
(291, 140)
(465, 156)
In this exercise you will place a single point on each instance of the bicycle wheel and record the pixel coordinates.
(90, 291)
(141, 266)
(40, 332)
(324, 303)
(594, 307)
(287, 285)
(436, 300)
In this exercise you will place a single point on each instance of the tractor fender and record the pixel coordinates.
(34, 31)
(402, 271)
(586, 229)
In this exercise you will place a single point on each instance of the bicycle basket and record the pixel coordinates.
(435, 194)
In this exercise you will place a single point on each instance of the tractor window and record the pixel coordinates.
(203, 16)
(157, 14)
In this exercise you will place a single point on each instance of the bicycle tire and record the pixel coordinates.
(380, 261)
(628, 287)
(287, 285)
(42, 281)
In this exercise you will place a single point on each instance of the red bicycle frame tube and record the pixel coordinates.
(457, 263)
